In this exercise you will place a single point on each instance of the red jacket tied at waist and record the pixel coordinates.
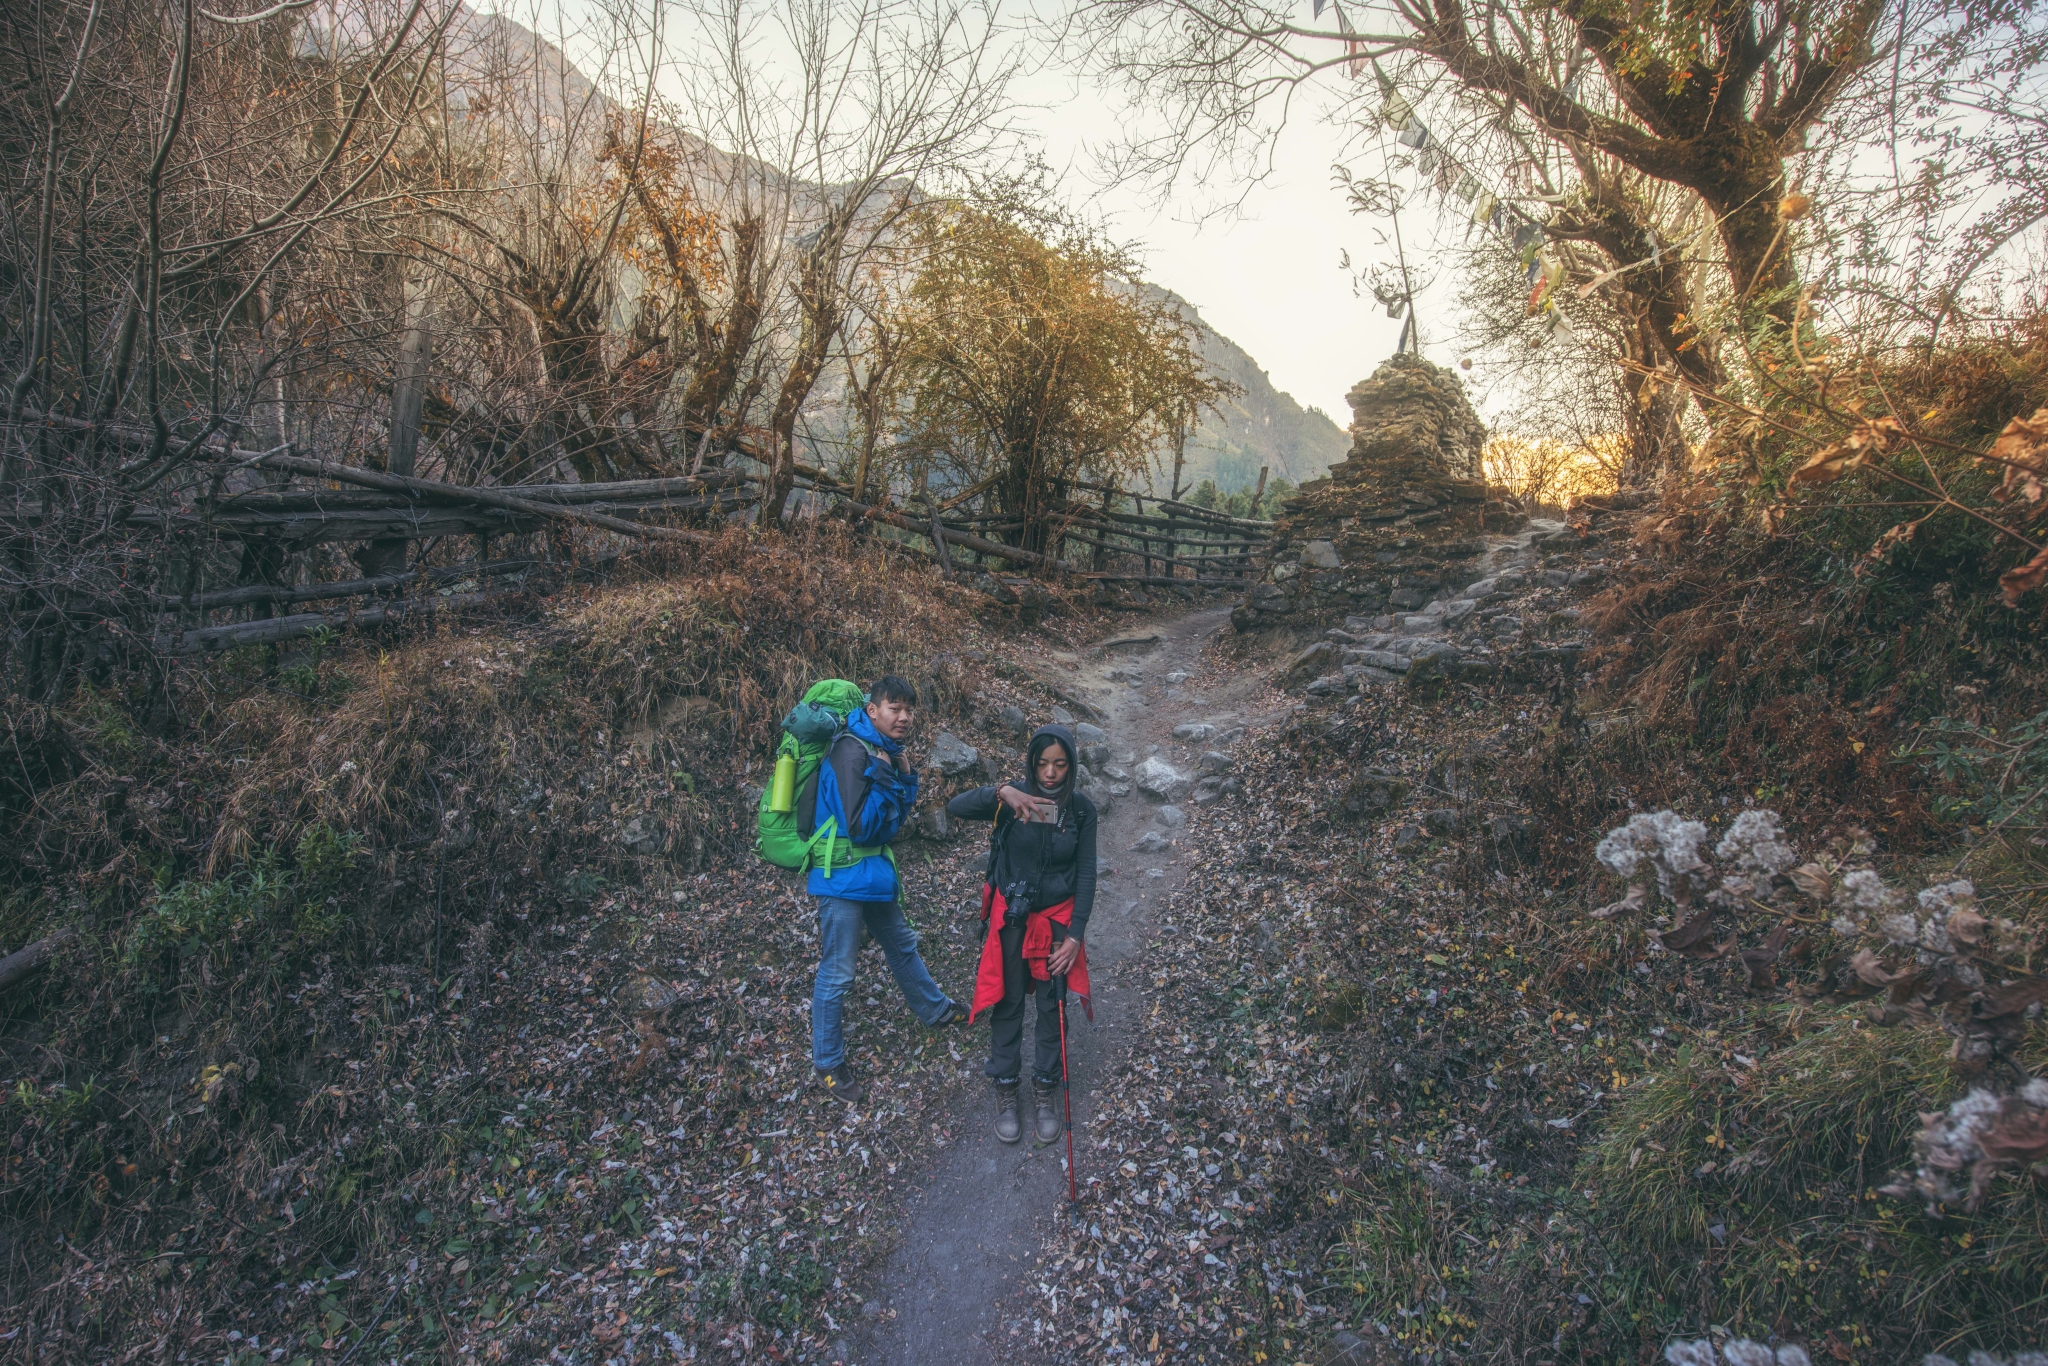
(988, 979)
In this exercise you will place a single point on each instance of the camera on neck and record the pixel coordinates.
(1016, 902)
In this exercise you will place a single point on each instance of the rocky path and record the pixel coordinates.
(973, 1233)
(1466, 632)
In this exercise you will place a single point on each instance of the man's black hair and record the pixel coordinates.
(890, 688)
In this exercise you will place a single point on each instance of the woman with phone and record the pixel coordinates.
(1035, 900)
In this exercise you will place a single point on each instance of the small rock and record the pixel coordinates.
(1014, 722)
(1410, 598)
(1442, 822)
(1116, 773)
(1340, 636)
(1155, 872)
(1208, 791)
(1320, 555)
(1120, 789)
(1554, 578)
(1457, 610)
(953, 756)
(1327, 685)
(1096, 756)
(1231, 736)
(1171, 816)
(1232, 786)
(642, 835)
(1409, 839)
(1160, 780)
(1149, 841)
(1374, 793)
(1102, 868)
(935, 824)
(1311, 662)
(1588, 576)
(871, 1310)
(1062, 717)
(1196, 731)
(1103, 796)
(1215, 761)
(1177, 677)
(1087, 734)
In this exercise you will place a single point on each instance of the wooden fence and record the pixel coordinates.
(300, 503)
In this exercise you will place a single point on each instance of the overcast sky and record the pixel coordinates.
(1270, 279)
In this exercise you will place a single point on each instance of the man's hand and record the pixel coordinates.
(1061, 960)
(902, 760)
(1024, 806)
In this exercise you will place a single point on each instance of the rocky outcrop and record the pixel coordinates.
(1393, 526)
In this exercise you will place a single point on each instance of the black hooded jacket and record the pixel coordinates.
(1056, 857)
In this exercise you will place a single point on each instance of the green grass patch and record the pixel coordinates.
(1743, 1195)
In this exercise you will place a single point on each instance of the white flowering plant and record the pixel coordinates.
(1928, 958)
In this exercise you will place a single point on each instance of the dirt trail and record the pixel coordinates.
(973, 1233)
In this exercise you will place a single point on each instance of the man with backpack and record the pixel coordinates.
(863, 794)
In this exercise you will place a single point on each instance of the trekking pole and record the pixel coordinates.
(1066, 1092)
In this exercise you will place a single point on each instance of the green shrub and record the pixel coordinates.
(274, 906)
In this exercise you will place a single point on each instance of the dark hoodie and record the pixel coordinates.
(1056, 857)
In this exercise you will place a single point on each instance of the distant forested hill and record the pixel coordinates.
(1262, 426)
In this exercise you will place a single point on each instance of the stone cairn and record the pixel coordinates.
(1391, 526)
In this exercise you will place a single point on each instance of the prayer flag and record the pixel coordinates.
(1398, 111)
(1467, 187)
(1414, 135)
(1483, 211)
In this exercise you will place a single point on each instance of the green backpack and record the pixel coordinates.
(807, 733)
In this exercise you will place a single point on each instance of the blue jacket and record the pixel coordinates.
(883, 810)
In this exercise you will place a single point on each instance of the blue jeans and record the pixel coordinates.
(839, 923)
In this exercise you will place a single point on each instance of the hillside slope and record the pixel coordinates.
(1262, 426)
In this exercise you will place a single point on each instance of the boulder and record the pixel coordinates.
(1208, 791)
(1171, 816)
(1062, 717)
(1320, 555)
(1088, 734)
(934, 824)
(1150, 842)
(953, 756)
(1096, 756)
(1102, 795)
(1195, 731)
(1161, 781)
(1409, 840)
(1329, 685)
(1216, 761)
(1014, 722)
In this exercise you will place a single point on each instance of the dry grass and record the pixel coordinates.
(281, 873)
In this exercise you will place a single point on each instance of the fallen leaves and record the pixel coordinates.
(2024, 579)
(1868, 441)
(2022, 449)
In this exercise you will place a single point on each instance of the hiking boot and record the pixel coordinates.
(1009, 1128)
(840, 1082)
(953, 1014)
(1045, 1098)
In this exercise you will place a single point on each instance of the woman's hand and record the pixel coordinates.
(1061, 960)
(1024, 806)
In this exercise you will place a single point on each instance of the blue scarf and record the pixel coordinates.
(860, 724)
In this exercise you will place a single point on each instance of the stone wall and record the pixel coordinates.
(1397, 522)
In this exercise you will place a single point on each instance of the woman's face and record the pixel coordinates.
(1052, 767)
